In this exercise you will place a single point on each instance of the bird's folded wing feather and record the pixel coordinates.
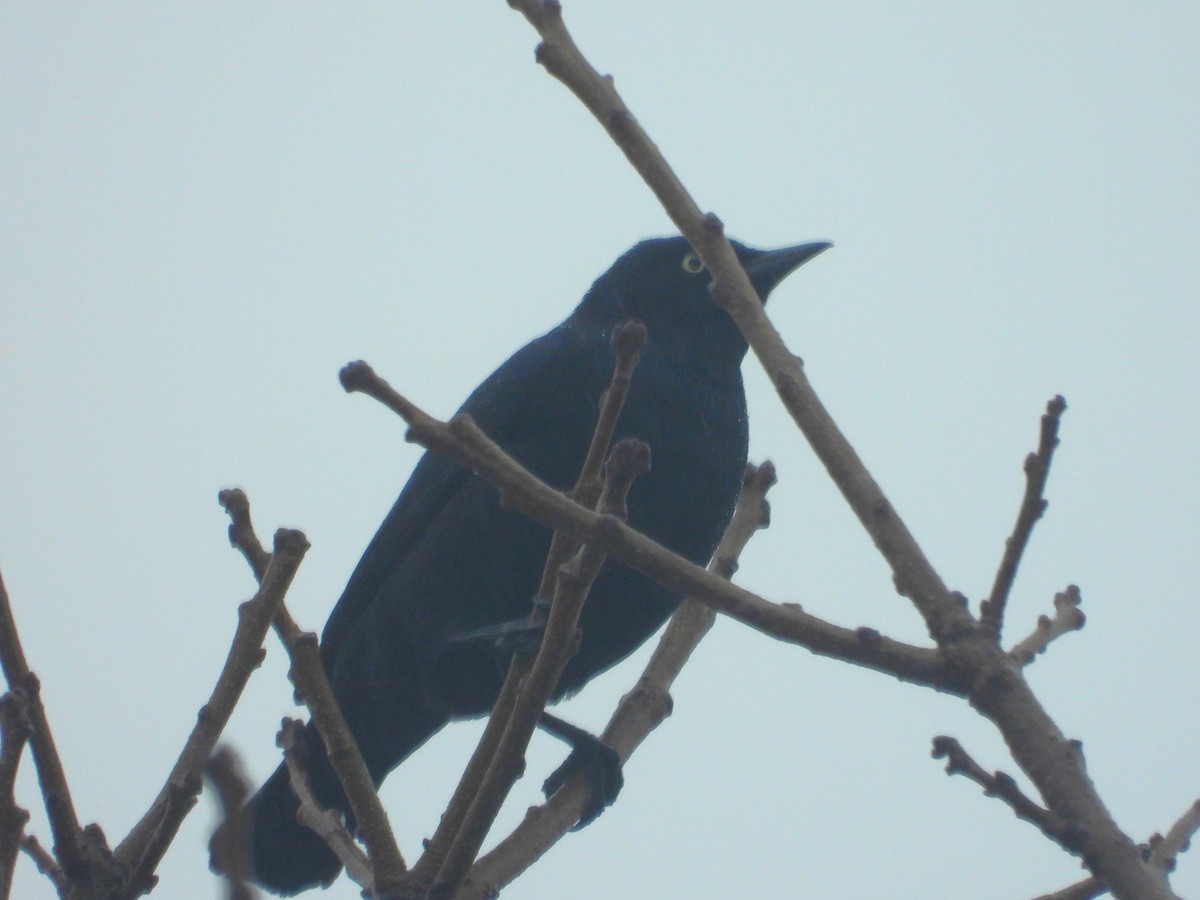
(539, 406)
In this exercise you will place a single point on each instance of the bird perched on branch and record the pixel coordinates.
(449, 560)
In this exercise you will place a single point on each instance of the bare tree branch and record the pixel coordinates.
(142, 849)
(1068, 617)
(640, 711)
(1033, 505)
(312, 685)
(997, 689)
(1161, 853)
(628, 338)
(64, 824)
(998, 784)
(325, 822)
(915, 577)
(15, 729)
(628, 460)
(1178, 839)
(1081, 890)
(241, 530)
(462, 440)
(46, 864)
(307, 673)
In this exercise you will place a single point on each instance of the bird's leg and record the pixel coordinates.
(596, 760)
(507, 638)
(522, 636)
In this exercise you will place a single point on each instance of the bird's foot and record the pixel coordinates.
(599, 763)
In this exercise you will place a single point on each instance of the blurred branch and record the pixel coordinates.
(46, 864)
(230, 850)
(1033, 505)
(640, 711)
(307, 673)
(1163, 851)
(15, 729)
(1081, 890)
(142, 849)
(69, 844)
(1068, 617)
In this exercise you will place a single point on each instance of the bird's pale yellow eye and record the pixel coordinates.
(692, 264)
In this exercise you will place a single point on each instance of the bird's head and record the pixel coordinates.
(662, 282)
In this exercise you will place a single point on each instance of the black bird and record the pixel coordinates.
(448, 560)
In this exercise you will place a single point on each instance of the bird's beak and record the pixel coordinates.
(767, 268)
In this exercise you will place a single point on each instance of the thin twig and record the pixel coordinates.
(308, 674)
(327, 823)
(1068, 617)
(241, 530)
(628, 460)
(142, 849)
(628, 339)
(46, 864)
(64, 824)
(640, 711)
(15, 729)
(312, 685)
(1033, 505)
(997, 784)
(1164, 851)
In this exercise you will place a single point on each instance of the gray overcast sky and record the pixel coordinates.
(209, 209)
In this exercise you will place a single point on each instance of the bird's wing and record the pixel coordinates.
(532, 399)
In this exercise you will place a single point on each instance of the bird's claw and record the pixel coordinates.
(590, 758)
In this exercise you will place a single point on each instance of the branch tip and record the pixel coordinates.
(628, 338)
(1033, 506)
(1068, 617)
(357, 376)
(291, 542)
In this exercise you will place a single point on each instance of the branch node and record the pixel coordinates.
(868, 637)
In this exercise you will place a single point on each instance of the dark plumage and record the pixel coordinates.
(448, 560)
